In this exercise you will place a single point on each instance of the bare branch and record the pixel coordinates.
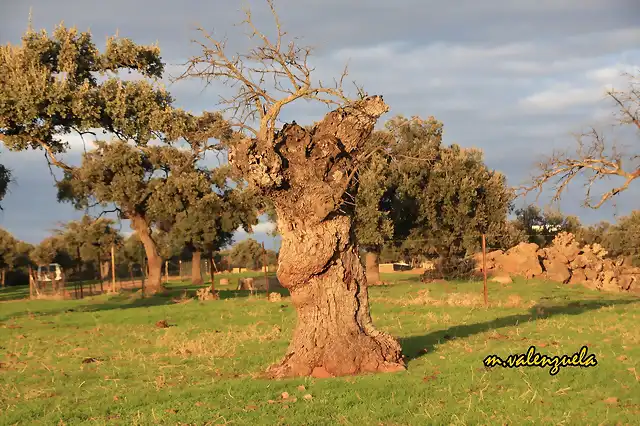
(285, 62)
(593, 161)
(51, 157)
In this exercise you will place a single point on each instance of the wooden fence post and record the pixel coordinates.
(484, 269)
(113, 268)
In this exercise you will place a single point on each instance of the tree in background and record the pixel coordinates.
(13, 254)
(208, 225)
(595, 159)
(49, 87)
(594, 234)
(52, 250)
(89, 242)
(541, 226)
(373, 224)
(249, 254)
(434, 200)
(623, 238)
(131, 254)
(147, 185)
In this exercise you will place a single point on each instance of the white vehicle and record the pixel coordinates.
(47, 272)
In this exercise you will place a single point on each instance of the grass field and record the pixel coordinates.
(102, 360)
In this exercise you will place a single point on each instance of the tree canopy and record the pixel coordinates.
(90, 239)
(427, 197)
(209, 223)
(53, 85)
(249, 254)
(541, 226)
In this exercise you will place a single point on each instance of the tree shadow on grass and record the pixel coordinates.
(414, 347)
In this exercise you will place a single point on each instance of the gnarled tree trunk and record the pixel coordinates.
(307, 174)
(372, 266)
(153, 282)
(196, 272)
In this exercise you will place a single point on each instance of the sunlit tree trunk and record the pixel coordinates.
(196, 268)
(372, 265)
(153, 282)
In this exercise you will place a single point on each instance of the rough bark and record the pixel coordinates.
(196, 272)
(153, 282)
(307, 174)
(372, 266)
(3, 277)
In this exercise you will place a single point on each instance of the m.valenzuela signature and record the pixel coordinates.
(533, 359)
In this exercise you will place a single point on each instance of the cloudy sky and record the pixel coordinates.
(514, 78)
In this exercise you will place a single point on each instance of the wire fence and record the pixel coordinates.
(53, 282)
(114, 275)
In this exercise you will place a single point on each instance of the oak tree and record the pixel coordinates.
(148, 185)
(53, 85)
(249, 254)
(431, 198)
(308, 174)
(208, 225)
(89, 242)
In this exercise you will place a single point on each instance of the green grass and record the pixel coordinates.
(101, 360)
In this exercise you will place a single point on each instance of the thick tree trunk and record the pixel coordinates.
(196, 271)
(373, 267)
(308, 174)
(153, 283)
(334, 335)
(4, 275)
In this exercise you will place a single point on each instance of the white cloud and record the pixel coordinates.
(561, 96)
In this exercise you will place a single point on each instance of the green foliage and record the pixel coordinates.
(49, 86)
(249, 254)
(373, 223)
(132, 251)
(541, 227)
(88, 239)
(13, 252)
(208, 224)
(623, 238)
(5, 179)
(431, 198)
(152, 182)
(594, 234)
(166, 245)
(52, 250)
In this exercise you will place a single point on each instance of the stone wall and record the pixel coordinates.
(564, 261)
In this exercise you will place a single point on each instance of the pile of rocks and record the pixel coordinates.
(564, 261)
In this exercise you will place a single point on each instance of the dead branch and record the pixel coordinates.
(592, 159)
(284, 62)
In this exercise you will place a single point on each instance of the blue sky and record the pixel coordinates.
(515, 79)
